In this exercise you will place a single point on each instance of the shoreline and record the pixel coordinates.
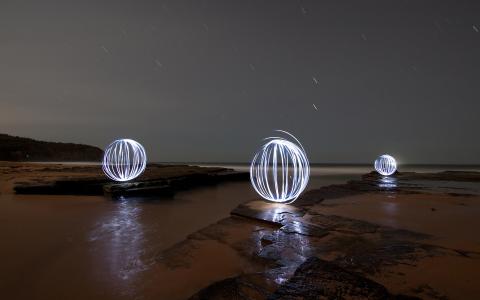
(396, 238)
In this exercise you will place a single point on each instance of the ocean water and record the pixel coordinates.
(327, 174)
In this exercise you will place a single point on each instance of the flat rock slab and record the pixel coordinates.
(274, 213)
(157, 180)
(168, 186)
(88, 187)
(287, 217)
(470, 176)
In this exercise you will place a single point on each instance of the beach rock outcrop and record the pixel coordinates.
(157, 180)
(320, 279)
(358, 240)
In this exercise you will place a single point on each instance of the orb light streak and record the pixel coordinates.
(124, 160)
(280, 170)
(385, 165)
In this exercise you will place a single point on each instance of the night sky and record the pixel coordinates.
(207, 80)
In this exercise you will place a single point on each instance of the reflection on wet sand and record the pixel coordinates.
(118, 244)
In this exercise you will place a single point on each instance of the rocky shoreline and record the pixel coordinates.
(158, 180)
(398, 237)
(302, 251)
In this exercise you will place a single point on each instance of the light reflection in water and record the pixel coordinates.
(119, 238)
(291, 243)
(278, 212)
(387, 182)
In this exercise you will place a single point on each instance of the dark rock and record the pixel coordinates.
(342, 224)
(91, 187)
(404, 182)
(304, 229)
(429, 291)
(369, 256)
(368, 247)
(168, 186)
(320, 279)
(368, 184)
(461, 195)
(157, 180)
(471, 176)
(244, 287)
(157, 188)
(327, 192)
(265, 241)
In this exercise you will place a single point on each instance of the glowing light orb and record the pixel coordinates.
(124, 160)
(385, 165)
(280, 169)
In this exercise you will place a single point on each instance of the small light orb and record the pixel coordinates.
(385, 165)
(124, 160)
(280, 169)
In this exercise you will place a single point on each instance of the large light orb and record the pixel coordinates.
(280, 169)
(385, 165)
(124, 160)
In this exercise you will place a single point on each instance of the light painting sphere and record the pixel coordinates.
(280, 170)
(124, 160)
(385, 165)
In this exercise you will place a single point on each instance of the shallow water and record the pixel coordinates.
(77, 247)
